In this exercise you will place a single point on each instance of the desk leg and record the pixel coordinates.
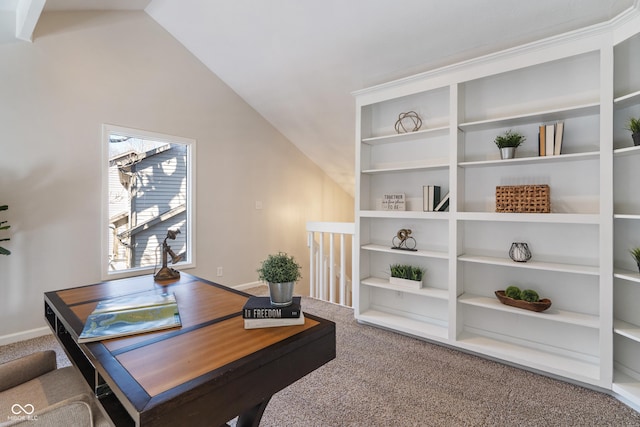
(252, 417)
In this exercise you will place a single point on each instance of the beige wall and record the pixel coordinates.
(88, 68)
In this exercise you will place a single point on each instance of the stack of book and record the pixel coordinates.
(259, 313)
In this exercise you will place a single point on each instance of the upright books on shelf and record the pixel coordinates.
(550, 139)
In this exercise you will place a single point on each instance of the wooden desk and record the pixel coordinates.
(205, 373)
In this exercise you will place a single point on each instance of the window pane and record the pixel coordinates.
(147, 196)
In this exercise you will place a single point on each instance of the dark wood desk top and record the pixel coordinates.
(204, 373)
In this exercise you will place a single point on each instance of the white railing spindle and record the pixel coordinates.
(322, 266)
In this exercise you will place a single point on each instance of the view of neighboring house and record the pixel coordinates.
(147, 197)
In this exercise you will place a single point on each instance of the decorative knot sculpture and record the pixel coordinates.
(410, 117)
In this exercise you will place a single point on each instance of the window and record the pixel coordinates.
(148, 190)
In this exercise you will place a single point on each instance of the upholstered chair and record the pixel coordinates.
(31, 388)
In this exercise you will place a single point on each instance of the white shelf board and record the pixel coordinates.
(425, 291)
(626, 329)
(626, 216)
(404, 324)
(551, 314)
(626, 275)
(535, 117)
(626, 100)
(531, 160)
(551, 218)
(627, 151)
(533, 265)
(402, 137)
(412, 168)
(404, 214)
(418, 253)
(580, 370)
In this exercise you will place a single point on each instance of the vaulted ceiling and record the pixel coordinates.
(297, 61)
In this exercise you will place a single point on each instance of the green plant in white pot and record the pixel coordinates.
(406, 275)
(280, 271)
(633, 126)
(508, 142)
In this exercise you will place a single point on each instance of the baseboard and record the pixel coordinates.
(24, 335)
(244, 286)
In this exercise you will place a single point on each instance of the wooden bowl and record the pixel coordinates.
(539, 306)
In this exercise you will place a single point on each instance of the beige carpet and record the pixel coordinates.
(380, 378)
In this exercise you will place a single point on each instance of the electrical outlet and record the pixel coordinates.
(219, 272)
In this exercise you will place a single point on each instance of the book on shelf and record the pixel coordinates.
(443, 205)
(557, 144)
(542, 144)
(130, 315)
(430, 197)
(261, 308)
(273, 323)
(549, 138)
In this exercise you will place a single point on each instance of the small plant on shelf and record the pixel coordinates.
(633, 126)
(406, 275)
(635, 253)
(507, 142)
(404, 271)
(510, 138)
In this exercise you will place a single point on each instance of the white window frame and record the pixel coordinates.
(107, 130)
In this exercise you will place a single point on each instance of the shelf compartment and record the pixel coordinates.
(551, 314)
(558, 114)
(551, 218)
(425, 291)
(437, 330)
(559, 364)
(534, 265)
(626, 329)
(409, 136)
(418, 253)
(531, 160)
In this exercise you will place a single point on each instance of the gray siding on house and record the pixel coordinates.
(159, 187)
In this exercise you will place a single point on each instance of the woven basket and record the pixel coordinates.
(523, 198)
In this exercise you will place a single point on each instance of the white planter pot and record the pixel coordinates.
(406, 283)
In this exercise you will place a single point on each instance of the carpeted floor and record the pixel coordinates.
(380, 378)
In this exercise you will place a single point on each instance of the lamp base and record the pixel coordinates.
(167, 273)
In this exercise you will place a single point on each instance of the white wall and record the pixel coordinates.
(89, 68)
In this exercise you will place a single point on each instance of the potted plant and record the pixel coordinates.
(406, 275)
(3, 226)
(508, 142)
(634, 127)
(280, 271)
(635, 253)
